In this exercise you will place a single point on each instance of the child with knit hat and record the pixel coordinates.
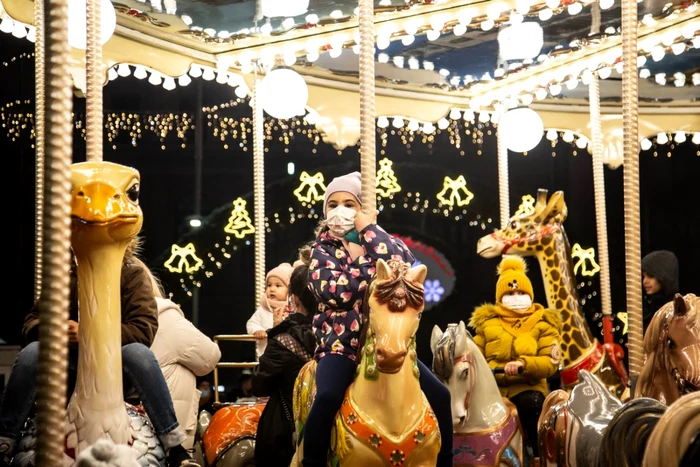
(274, 298)
(522, 338)
(348, 245)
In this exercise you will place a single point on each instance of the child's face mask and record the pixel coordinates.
(341, 220)
(518, 302)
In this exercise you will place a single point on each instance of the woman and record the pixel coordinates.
(290, 345)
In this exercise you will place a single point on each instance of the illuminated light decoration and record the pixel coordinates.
(311, 189)
(522, 129)
(584, 259)
(454, 192)
(283, 93)
(622, 316)
(527, 206)
(387, 184)
(520, 41)
(239, 224)
(77, 23)
(284, 8)
(183, 257)
(433, 290)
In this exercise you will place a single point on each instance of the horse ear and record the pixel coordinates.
(461, 340)
(462, 326)
(417, 274)
(435, 337)
(680, 308)
(383, 271)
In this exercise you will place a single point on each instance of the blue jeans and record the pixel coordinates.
(334, 374)
(141, 370)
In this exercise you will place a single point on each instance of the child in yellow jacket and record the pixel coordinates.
(522, 338)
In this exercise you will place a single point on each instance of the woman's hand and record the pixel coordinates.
(513, 368)
(279, 315)
(362, 220)
(260, 335)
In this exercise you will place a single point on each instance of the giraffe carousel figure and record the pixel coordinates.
(541, 234)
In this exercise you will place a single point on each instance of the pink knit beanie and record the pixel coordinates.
(283, 271)
(352, 183)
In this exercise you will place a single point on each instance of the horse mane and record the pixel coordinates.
(397, 293)
(676, 439)
(626, 436)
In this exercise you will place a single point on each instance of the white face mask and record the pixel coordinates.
(341, 220)
(517, 302)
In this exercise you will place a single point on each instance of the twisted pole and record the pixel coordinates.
(94, 79)
(259, 193)
(40, 103)
(633, 266)
(53, 306)
(368, 143)
(503, 194)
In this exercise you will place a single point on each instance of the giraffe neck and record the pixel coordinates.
(99, 380)
(560, 286)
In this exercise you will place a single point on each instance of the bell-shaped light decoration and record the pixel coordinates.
(520, 41)
(77, 22)
(283, 8)
(283, 93)
(521, 129)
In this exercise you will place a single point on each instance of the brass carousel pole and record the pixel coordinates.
(368, 159)
(53, 307)
(633, 256)
(259, 191)
(503, 193)
(39, 100)
(94, 80)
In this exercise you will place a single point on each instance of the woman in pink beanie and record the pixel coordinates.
(274, 298)
(343, 258)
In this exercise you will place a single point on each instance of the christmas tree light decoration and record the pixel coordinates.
(527, 206)
(387, 184)
(311, 189)
(239, 224)
(584, 259)
(459, 195)
(622, 316)
(185, 257)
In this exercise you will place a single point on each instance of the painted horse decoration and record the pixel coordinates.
(486, 426)
(385, 418)
(228, 436)
(541, 234)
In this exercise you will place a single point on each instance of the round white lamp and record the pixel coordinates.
(77, 23)
(283, 93)
(521, 129)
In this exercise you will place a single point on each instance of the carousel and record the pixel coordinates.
(352, 70)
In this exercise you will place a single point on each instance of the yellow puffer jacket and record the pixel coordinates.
(537, 347)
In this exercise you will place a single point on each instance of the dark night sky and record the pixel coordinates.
(670, 218)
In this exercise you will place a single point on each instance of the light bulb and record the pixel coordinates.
(455, 114)
(112, 74)
(662, 138)
(184, 80)
(552, 3)
(195, 71)
(169, 83)
(208, 74)
(552, 134)
(222, 77)
(574, 8)
(241, 92)
(408, 40)
(428, 128)
(554, 89)
(19, 31)
(606, 4)
(433, 35)
(680, 137)
(568, 136)
(678, 48)
(582, 142)
(123, 70)
(604, 73)
(459, 29)
(484, 117)
(696, 138)
(487, 25)
(155, 78)
(77, 22)
(545, 14)
(413, 125)
(443, 123)
(382, 122)
(645, 144)
(140, 72)
(397, 122)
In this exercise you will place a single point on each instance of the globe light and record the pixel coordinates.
(520, 41)
(283, 93)
(77, 23)
(521, 129)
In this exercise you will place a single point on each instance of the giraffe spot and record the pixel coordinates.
(566, 338)
(563, 347)
(574, 351)
(521, 244)
(555, 275)
(566, 327)
(533, 242)
(550, 263)
(529, 248)
(559, 304)
(565, 315)
(563, 294)
(546, 240)
(556, 288)
(549, 251)
(539, 248)
(537, 220)
(556, 261)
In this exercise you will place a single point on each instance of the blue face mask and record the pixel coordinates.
(353, 236)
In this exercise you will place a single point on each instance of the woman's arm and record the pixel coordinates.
(270, 366)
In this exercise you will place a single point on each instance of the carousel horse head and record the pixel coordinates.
(672, 351)
(394, 307)
(525, 231)
(452, 364)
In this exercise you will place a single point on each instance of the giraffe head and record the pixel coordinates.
(524, 232)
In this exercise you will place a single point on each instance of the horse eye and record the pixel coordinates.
(465, 373)
(670, 344)
(420, 315)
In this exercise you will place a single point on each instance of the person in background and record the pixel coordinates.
(183, 353)
(206, 396)
(660, 282)
(274, 297)
(290, 345)
(244, 392)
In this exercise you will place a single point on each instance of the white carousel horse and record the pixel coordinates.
(486, 426)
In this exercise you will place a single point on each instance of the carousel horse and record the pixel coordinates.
(541, 234)
(487, 429)
(676, 438)
(106, 218)
(228, 436)
(672, 351)
(385, 419)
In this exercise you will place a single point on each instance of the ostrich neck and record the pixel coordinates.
(99, 380)
(560, 286)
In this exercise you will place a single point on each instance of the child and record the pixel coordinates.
(514, 334)
(343, 260)
(275, 296)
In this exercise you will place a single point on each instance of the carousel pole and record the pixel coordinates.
(503, 194)
(94, 80)
(39, 99)
(53, 307)
(633, 256)
(258, 191)
(368, 156)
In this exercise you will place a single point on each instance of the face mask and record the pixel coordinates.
(206, 393)
(517, 302)
(341, 220)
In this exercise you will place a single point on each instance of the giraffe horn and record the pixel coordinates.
(541, 200)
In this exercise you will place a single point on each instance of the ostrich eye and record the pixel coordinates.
(133, 192)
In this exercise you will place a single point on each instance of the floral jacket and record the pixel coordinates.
(340, 283)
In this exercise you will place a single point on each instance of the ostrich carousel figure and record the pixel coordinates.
(106, 218)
